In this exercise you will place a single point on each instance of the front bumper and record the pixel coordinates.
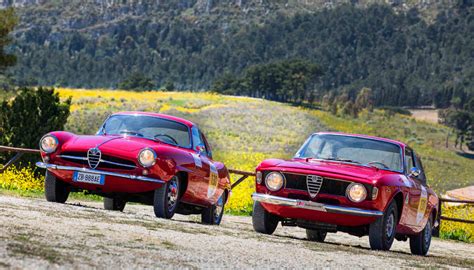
(86, 170)
(309, 205)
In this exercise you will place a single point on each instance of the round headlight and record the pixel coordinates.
(356, 192)
(49, 144)
(147, 157)
(274, 181)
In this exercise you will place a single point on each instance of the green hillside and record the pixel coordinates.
(244, 131)
(409, 53)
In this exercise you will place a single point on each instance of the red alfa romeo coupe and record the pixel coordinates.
(149, 158)
(357, 184)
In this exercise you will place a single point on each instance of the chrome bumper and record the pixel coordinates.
(79, 169)
(265, 198)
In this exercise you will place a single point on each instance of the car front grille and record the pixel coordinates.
(326, 185)
(104, 161)
(94, 157)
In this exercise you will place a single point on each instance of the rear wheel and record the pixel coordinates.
(382, 231)
(213, 214)
(316, 235)
(114, 204)
(55, 190)
(166, 198)
(420, 243)
(263, 221)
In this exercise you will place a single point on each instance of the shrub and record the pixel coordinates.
(30, 115)
(21, 179)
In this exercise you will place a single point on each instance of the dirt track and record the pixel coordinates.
(36, 234)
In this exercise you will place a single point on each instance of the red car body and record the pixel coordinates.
(331, 209)
(126, 177)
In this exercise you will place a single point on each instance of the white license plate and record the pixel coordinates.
(90, 178)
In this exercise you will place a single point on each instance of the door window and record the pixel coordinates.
(419, 165)
(409, 161)
(198, 142)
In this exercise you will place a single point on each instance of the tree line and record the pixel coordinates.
(402, 58)
(31, 113)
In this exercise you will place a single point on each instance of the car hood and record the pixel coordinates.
(335, 169)
(116, 144)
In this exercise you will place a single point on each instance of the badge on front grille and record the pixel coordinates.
(314, 183)
(93, 157)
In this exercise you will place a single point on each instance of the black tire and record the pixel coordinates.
(114, 204)
(55, 190)
(166, 198)
(420, 243)
(213, 214)
(263, 221)
(382, 231)
(316, 235)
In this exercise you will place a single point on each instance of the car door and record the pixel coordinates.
(417, 194)
(200, 180)
(209, 179)
(423, 204)
(213, 178)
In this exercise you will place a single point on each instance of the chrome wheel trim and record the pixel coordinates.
(390, 227)
(173, 192)
(219, 209)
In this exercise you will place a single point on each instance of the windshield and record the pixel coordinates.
(357, 150)
(149, 127)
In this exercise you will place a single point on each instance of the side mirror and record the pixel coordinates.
(414, 172)
(201, 149)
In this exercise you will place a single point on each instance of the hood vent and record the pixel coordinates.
(314, 183)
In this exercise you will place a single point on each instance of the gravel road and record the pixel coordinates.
(36, 234)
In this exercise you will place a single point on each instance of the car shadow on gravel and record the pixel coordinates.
(395, 254)
(78, 204)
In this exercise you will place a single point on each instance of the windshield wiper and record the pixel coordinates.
(341, 159)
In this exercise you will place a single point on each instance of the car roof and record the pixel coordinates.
(159, 115)
(365, 137)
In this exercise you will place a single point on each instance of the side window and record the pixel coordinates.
(419, 165)
(409, 161)
(196, 138)
(206, 144)
(198, 141)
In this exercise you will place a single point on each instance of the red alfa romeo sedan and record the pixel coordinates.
(357, 184)
(149, 158)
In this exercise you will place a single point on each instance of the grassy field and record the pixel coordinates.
(244, 131)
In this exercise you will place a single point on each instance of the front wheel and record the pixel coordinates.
(166, 198)
(263, 221)
(382, 231)
(213, 214)
(420, 243)
(114, 204)
(54, 189)
(316, 235)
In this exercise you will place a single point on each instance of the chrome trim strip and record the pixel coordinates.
(86, 170)
(270, 199)
(118, 164)
(72, 157)
(101, 161)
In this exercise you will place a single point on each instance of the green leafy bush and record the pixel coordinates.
(30, 115)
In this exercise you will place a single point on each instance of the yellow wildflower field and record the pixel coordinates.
(244, 131)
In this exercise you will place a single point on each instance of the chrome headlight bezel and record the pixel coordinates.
(351, 192)
(49, 144)
(144, 153)
(280, 183)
